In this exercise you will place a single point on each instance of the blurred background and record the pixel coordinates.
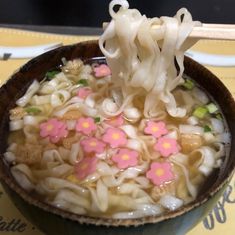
(91, 13)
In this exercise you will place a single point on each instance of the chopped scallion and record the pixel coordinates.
(97, 119)
(212, 108)
(207, 128)
(83, 82)
(51, 74)
(33, 110)
(200, 112)
(188, 84)
(219, 116)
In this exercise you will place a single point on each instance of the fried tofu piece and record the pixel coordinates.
(29, 154)
(190, 142)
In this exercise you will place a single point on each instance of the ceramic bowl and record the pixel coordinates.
(53, 220)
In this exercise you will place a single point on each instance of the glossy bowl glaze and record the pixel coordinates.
(53, 220)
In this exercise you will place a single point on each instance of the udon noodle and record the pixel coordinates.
(130, 138)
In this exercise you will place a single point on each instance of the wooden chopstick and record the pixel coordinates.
(207, 31)
(214, 32)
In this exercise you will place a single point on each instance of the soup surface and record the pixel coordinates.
(80, 146)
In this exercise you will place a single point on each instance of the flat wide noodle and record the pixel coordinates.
(143, 57)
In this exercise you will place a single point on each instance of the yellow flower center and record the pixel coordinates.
(49, 127)
(159, 172)
(84, 166)
(166, 145)
(115, 136)
(125, 157)
(155, 128)
(85, 124)
(93, 144)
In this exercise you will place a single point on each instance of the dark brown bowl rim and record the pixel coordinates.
(110, 221)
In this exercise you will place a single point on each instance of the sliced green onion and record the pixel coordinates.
(207, 128)
(212, 108)
(188, 84)
(219, 116)
(51, 74)
(83, 82)
(200, 112)
(97, 119)
(33, 110)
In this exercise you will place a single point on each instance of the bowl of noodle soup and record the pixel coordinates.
(119, 136)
